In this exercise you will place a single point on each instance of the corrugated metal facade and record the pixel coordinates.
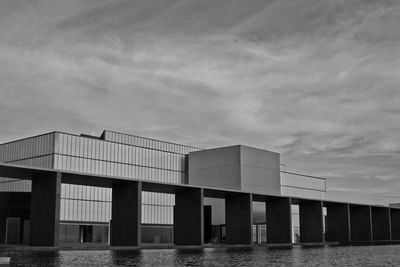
(37, 151)
(28, 148)
(85, 203)
(147, 142)
(115, 154)
(13, 185)
(110, 157)
(297, 185)
(94, 156)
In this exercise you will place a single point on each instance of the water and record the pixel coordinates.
(323, 256)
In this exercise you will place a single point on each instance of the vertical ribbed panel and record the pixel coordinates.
(147, 142)
(297, 185)
(85, 203)
(28, 148)
(87, 155)
(14, 185)
(80, 154)
(157, 208)
(122, 155)
(35, 151)
(41, 162)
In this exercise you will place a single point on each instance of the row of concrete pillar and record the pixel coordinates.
(351, 223)
(345, 223)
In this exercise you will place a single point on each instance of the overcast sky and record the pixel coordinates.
(316, 80)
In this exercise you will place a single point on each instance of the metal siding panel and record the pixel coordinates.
(56, 161)
(91, 148)
(56, 142)
(85, 147)
(63, 144)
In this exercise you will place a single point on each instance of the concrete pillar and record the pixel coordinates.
(360, 223)
(279, 221)
(338, 222)
(126, 214)
(238, 218)
(3, 218)
(207, 223)
(380, 223)
(311, 225)
(45, 209)
(189, 217)
(395, 223)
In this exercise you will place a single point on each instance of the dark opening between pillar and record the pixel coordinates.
(360, 223)
(189, 217)
(278, 220)
(45, 209)
(395, 223)
(311, 225)
(380, 223)
(338, 223)
(14, 204)
(126, 213)
(238, 218)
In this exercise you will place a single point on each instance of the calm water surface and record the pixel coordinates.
(324, 256)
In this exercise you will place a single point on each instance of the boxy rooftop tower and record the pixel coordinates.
(236, 167)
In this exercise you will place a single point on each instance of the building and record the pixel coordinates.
(85, 211)
(394, 205)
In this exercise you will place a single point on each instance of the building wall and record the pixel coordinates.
(138, 158)
(146, 142)
(236, 167)
(37, 151)
(96, 156)
(153, 162)
(218, 167)
(85, 203)
(304, 186)
(33, 151)
(260, 171)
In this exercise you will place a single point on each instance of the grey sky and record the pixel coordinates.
(316, 80)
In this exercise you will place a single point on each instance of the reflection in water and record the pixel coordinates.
(33, 258)
(125, 258)
(324, 256)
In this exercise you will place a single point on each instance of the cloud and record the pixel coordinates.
(315, 80)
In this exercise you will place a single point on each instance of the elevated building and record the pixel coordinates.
(85, 211)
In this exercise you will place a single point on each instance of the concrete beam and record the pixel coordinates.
(189, 217)
(360, 223)
(380, 223)
(311, 224)
(239, 218)
(395, 224)
(279, 221)
(338, 223)
(45, 209)
(126, 214)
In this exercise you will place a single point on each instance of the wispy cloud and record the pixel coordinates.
(315, 80)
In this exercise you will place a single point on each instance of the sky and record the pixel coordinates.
(315, 80)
